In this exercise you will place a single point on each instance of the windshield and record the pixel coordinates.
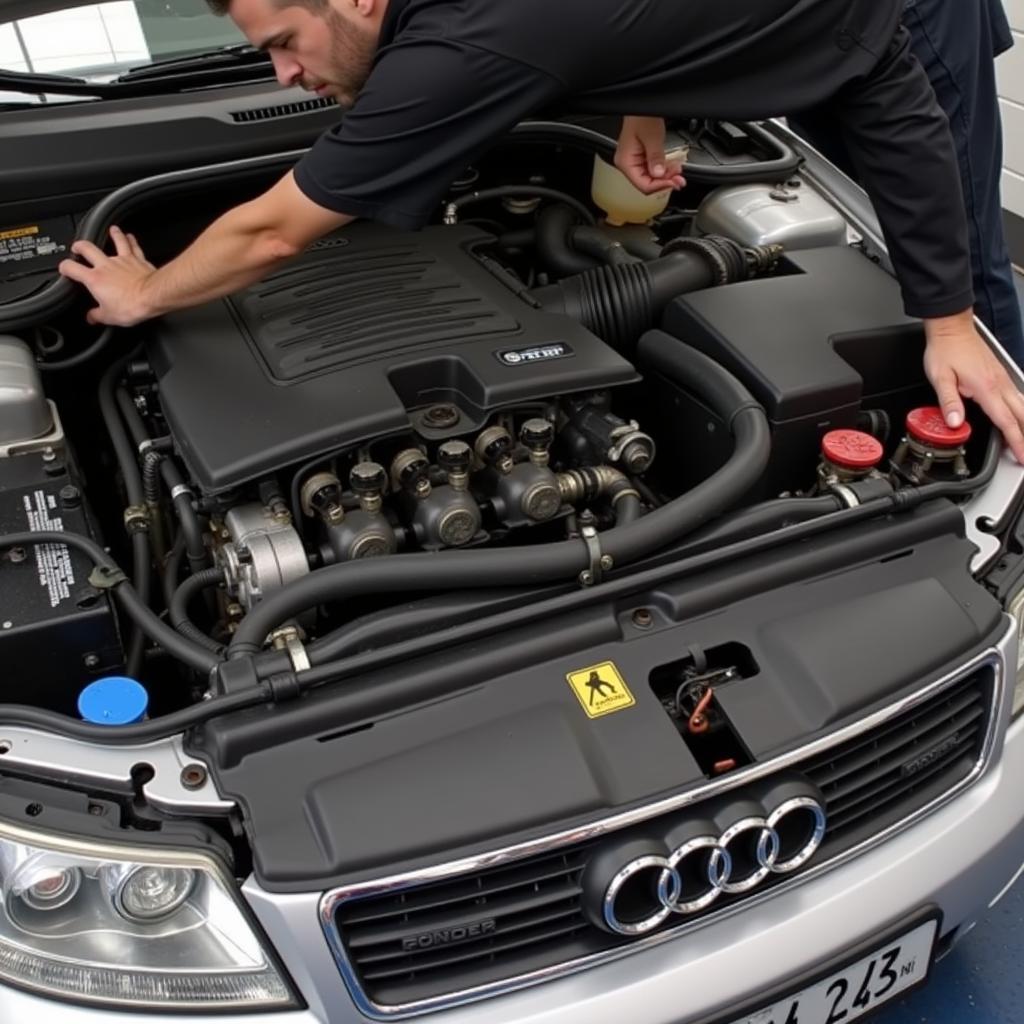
(101, 41)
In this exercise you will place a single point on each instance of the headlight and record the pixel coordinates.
(1016, 609)
(116, 925)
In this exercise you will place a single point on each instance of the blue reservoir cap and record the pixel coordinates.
(113, 700)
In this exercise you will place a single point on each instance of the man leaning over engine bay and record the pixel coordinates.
(430, 84)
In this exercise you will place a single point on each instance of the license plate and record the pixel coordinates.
(859, 988)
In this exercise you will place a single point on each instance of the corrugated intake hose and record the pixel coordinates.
(618, 303)
(548, 562)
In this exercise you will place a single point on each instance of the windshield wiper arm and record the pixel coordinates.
(167, 79)
(32, 83)
(233, 56)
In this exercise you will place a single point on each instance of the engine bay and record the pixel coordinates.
(528, 392)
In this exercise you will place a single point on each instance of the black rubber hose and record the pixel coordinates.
(758, 519)
(142, 580)
(123, 451)
(109, 395)
(627, 509)
(140, 732)
(452, 209)
(191, 528)
(552, 240)
(418, 618)
(172, 567)
(80, 358)
(178, 607)
(547, 562)
(125, 595)
(782, 163)
(962, 488)
(597, 243)
(61, 292)
(151, 477)
(175, 483)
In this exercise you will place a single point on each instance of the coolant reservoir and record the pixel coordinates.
(623, 202)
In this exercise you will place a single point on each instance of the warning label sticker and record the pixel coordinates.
(53, 562)
(601, 689)
(32, 229)
(28, 243)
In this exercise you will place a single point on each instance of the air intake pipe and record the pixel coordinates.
(618, 303)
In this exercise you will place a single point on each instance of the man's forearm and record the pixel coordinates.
(242, 246)
(233, 252)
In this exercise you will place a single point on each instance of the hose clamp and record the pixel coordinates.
(599, 563)
(145, 445)
(136, 519)
(178, 490)
(845, 495)
(289, 639)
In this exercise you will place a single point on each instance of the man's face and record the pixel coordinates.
(326, 51)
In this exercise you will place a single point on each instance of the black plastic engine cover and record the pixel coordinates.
(815, 345)
(339, 348)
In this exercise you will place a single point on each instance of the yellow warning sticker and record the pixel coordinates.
(19, 232)
(600, 689)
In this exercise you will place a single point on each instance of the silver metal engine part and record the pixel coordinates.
(264, 554)
(28, 421)
(753, 215)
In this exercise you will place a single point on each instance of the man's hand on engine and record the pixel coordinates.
(960, 365)
(116, 282)
(640, 155)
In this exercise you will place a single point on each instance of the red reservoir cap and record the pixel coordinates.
(928, 426)
(851, 449)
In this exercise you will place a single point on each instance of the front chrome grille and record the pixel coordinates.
(412, 947)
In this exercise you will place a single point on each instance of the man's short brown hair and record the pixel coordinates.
(221, 7)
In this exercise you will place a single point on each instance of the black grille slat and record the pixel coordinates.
(879, 777)
(254, 114)
(891, 760)
(553, 867)
(892, 740)
(877, 800)
(529, 914)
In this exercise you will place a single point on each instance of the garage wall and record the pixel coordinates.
(1010, 70)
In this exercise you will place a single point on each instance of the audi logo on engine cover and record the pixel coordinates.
(704, 863)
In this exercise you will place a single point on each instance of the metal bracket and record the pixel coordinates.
(599, 563)
(95, 766)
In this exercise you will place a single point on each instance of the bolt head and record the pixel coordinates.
(642, 618)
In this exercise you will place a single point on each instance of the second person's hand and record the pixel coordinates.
(640, 155)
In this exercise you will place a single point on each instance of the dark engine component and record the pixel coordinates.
(363, 337)
(58, 631)
(815, 345)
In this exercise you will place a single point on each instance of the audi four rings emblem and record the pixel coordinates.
(700, 869)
